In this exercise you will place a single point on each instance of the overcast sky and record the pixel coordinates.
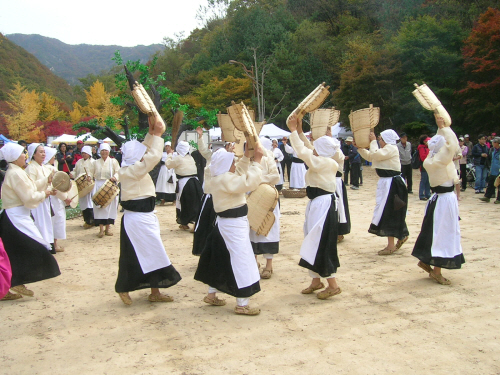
(106, 22)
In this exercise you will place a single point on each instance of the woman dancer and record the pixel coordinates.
(85, 166)
(297, 171)
(58, 202)
(206, 218)
(227, 263)
(278, 157)
(189, 188)
(105, 168)
(143, 260)
(268, 245)
(28, 252)
(42, 213)
(165, 185)
(438, 243)
(318, 252)
(391, 201)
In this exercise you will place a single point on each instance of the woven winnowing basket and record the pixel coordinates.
(362, 122)
(243, 121)
(231, 134)
(294, 193)
(261, 203)
(321, 119)
(312, 102)
(429, 101)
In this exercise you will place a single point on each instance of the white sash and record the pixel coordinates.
(340, 207)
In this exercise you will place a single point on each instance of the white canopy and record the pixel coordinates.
(272, 131)
(110, 141)
(339, 131)
(87, 139)
(65, 138)
(215, 133)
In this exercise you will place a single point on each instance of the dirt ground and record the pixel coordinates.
(390, 317)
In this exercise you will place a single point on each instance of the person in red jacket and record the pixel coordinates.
(424, 190)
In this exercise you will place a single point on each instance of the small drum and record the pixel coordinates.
(61, 182)
(84, 185)
(105, 195)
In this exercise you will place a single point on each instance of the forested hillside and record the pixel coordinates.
(18, 65)
(72, 62)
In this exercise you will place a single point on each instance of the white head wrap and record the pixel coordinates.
(325, 146)
(104, 146)
(11, 152)
(389, 136)
(168, 143)
(435, 144)
(182, 148)
(87, 150)
(221, 162)
(31, 150)
(132, 151)
(266, 143)
(49, 154)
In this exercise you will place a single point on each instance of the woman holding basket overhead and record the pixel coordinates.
(105, 168)
(143, 260)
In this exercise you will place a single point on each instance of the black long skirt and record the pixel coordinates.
(204, 225)
(423, 245)
(393, 220)
(327, 258)
(214, 268)
(88, 216)
(260, 248)
(345, 228)
(29, 259)
(190, 202)
(130, 275)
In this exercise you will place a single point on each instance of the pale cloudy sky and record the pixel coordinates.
(106, 22)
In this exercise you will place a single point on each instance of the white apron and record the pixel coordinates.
(383, 188)
(86, 201)
(59, 218)
(235, 232)
(316, 212)
(20, 218)
(340, 201)
(297, 176)
(162, 184)
(43, 220)
(143, 230)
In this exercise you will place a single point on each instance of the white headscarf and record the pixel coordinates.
(389, 136)
(132, 152)
(11, 152)
(104, 146)
(435, 144)
(182, 148)
(266, 143)
(168, 143)
(31, 150)
(221, 162)
(325, 146)
(49, 154)
(87, 150)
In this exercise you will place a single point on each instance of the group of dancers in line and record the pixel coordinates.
(226, 246)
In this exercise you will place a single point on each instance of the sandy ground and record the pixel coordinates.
(390, 317)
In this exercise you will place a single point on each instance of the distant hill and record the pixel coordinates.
(76, 61)
(18, 65)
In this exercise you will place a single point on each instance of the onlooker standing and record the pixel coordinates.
(95, 155)
(355, 162)
(77, 154)
(287, 159)
(64, 158)
(463, 162)
(347, 164)
(494, 158)
(468, 144)
(480, 159)
(404, 148)
(424, 191)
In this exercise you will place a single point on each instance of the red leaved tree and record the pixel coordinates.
(481, 53)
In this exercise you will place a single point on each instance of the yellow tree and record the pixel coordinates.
(99, 103)
(25, 106)
(49, 108)
(77, 113)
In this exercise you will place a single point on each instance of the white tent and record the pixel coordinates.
(65, 138)
(339, 131)
(272, 131)
(87, 139)
(215, 133)
(110, 141)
